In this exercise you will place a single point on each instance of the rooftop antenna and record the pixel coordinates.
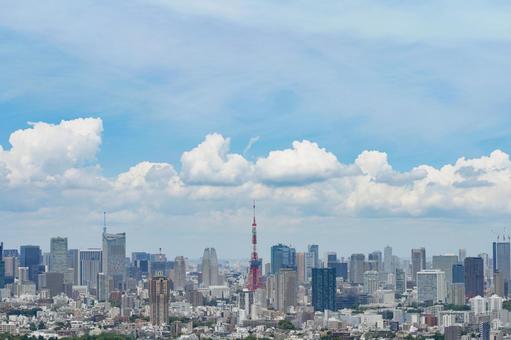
(104, 222)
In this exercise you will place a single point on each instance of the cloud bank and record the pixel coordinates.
(50, 165)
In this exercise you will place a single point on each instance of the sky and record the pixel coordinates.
(353, 124)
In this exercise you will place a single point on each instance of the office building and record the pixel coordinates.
(387, 260)
(282, 256)
(300, 267)
(209, 268)
(73, 261)
(53, 282)
(314, 250)
(114, 260)
(2, 266)
(502, 262)
(400, 279)
(371, 282)
(499, 287)
(31, 257)
(357, 268)
(179, 276)
(418, 260)
(462, 254)
(431, 286)
(474, 277)
(287, 285)
(323, 289)
(376, 258)
(58, 255)
(159, 299)
(458, 273)
(90, 265)
(101, 287)
(457, 294)
(445, 263)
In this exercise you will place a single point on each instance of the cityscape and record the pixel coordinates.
(255, 170)
(304, 294)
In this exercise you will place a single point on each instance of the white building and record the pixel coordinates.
(478, 305)
(371, 282)
(495, 303)
(431, 286)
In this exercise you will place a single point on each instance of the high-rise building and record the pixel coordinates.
(309, 264)
(159, 299)
(114, 260)
(341, 268)
(462, 254)
(282, 256)
(498, 284)
(314, 250)
(2, 266)
(323, 289)
(73, 261)
(101, 287)
(418, 262)
(457, 293)
(300, 267)
(31, 257)
(58, 255)
(90, 265)
(209, 268)
(356, 269)
(400, 281)
(445, 263)
(52, 281)
(502, 262)
(431, 286)
(179, 273)
(458, 273)
(287, 285)
(387, 260)
(474, 277)
(371, 279)
(377, 258)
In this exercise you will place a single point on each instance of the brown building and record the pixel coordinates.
(159, 299)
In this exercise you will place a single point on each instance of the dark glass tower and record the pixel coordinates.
(323, 288)
(474, 277)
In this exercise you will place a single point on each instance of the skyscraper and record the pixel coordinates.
(2, 266)
(209, 268)
(114, 259)
(314, 250)
(31, 257)
(58, 255)
(370, 282)
(73, 261)
(356, 269)
(387, 259)
(431, 286)
(474, 277)
(282, 256)
(287, 285)
(418, 262)
(159, 299)
(90, 265)
(445, 263)
(300, 267)
(458, 273)
(179, 273)
(502, 262)
(376, 258)
(323, 289)
(400, 281)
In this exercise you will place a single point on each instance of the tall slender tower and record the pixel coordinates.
(254, 275)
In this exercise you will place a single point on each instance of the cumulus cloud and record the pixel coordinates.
(44, 150)
(54, 165)
(306, 162)
(210, 163)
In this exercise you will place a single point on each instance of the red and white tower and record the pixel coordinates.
(254, 274)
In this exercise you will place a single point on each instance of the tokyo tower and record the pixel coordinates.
(254, 275)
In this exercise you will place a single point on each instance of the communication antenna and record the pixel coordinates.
(104, 222)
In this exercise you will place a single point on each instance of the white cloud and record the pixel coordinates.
(306, 162)
(44, 150)
(210, 163)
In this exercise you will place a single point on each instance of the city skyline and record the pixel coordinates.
(196, 110)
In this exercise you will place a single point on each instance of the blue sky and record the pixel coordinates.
(426, 83)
